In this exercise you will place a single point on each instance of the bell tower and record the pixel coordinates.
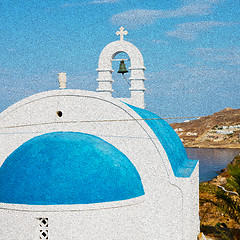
(137, 70)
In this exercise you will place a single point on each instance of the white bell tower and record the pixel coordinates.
(137, 70)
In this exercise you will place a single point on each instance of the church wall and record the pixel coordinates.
(195, 226)
(164, 210)
(158, 217)
(112, 223)
(190, 190)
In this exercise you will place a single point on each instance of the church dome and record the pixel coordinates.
(181, 165)
(68, 168)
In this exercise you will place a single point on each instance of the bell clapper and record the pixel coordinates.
(126, 79)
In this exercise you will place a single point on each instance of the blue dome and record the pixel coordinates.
(67, 168)
(181, 165)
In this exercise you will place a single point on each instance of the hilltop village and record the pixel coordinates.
(220, 130)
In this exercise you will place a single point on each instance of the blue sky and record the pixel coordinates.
(191, 49)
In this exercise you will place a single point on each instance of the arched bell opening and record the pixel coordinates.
(121, 82)
(105, 72)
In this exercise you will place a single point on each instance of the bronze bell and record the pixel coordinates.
(122, 68)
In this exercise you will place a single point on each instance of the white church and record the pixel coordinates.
(82, 165)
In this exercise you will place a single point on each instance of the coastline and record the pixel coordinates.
(222, 177)
(227, 146)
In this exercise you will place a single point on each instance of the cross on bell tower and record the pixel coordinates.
(122, 33)
(136, 70)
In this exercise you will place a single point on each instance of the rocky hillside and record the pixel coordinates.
(220, 130)
(210, 215)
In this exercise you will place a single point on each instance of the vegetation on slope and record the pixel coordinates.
(220, 204)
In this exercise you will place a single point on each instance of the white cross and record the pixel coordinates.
(121, 33)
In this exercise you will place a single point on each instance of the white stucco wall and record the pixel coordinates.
(169, 208)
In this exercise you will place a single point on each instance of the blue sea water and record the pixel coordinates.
(211, 160)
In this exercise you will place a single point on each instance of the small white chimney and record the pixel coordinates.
(62, 79)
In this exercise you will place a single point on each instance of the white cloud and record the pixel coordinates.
(198, 9)
(104, 1)
(69, 5)
(203, 1)
(157, 41)
(193, 89)
(229, 56)
(190, 31)
(133, 18)
(136, 17)
(199, 79)
(180, 65)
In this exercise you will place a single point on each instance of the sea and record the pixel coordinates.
(211, 160)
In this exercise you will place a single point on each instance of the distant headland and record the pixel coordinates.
(220, 130)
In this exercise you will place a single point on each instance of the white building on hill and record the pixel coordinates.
(84, 165)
